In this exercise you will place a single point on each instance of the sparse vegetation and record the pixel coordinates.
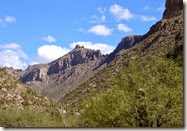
(141, 87)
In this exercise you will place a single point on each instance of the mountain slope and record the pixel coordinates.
(164, 39)
(57, 78)
(20, 106)
(16, 95)
(143, 85)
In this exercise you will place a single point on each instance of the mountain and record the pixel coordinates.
(143, 85)
(165, 39)
(57, 78)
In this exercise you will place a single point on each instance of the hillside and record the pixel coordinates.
(143, 85)
(20, 106)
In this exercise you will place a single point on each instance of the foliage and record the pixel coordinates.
(148, 92)
(28, 118)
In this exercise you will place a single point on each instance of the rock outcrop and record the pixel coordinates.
(126, 43)
(36, 74)
(173, 8)
(77, 56)
(60, 76)
(14, 72)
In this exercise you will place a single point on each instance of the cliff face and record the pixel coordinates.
(126, 43)
(172, 16)
(58, 77)
(173, 8)
(77, 56)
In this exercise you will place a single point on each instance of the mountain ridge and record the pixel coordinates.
(141, 87)
(58, 77)
(164, 39)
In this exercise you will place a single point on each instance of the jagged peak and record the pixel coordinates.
(78, 46)
(130, 37)
(172, 8)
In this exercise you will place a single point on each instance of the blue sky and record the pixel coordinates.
(39, 31)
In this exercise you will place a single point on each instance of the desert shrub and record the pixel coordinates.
(147, 93)
(28, 118)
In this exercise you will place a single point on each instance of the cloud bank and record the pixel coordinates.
(101, 30)
(51, 52)
(11, 55)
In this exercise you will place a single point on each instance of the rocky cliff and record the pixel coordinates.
(60, 76)
(126, 43)
(173, 8)
(77, 56)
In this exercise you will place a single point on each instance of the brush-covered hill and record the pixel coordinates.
(20, 106)
(143, 85)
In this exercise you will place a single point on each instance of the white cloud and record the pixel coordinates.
(10, 46)
(104, 48)
(10, 19)
(101, 10)
(100, 30)
(97, 19)
(51, 52)
(123, 27)
(6, 20)
(49, 39)
(11, 55)
(121, 13)
(147, 18)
